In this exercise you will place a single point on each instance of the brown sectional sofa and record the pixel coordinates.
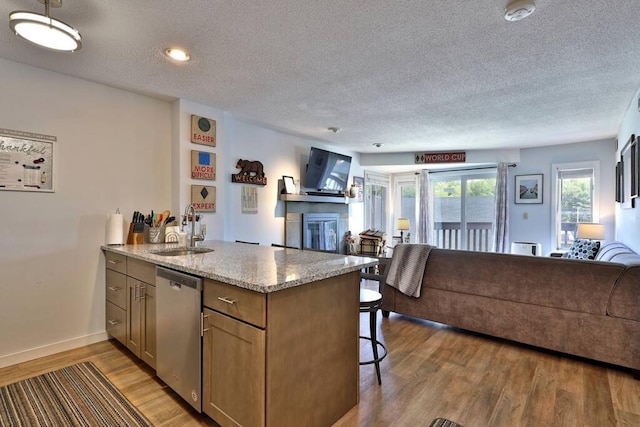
(584, 308)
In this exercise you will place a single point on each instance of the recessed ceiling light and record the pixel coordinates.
(45, 31)
(377, 144)
(177, 54)
(333, 129)
(519, 9)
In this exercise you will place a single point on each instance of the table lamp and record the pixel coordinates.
(590, 231)
(402, 224)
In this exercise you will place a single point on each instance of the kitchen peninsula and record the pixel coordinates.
(279, 327)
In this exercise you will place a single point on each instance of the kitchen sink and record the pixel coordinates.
(181, 251)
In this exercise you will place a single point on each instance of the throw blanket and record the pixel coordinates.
(407, 268)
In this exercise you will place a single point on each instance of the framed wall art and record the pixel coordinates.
(635, 172)
(618, 182)
(203, 198)
(26, 161)
(528, 188)
(249, 200)
(627, 166)
(203, 165)
(358, 181)
(203, 131)
(289, 184)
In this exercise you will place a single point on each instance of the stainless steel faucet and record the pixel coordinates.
(190, 209)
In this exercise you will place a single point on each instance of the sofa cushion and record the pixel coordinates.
(583, 249)
(569, 284)
(617, 252)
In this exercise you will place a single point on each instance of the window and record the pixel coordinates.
(464, 204)
(405, 188)
(575, 199)
(376, 195)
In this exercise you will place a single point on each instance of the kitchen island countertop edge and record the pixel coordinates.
(258, 268)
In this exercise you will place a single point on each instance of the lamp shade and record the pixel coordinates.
(403, 224)
(590, 231)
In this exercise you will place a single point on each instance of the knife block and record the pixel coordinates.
(134, 237)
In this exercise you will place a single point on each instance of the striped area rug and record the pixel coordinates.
(78, 395)
(443, 422)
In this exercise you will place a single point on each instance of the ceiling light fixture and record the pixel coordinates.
(45, 31)
(177, 54)
(333, 129)
(519, 9)
(377, 144)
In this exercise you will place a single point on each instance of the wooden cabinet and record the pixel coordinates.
(141, 310)
(233, 371)
(116, 293)
(130, 310)
(285, 358)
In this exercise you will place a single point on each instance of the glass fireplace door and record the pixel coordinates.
(321, 232)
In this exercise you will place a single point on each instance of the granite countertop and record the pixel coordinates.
(258, 268)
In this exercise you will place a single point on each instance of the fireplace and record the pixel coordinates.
(320, 232)
(317, 224)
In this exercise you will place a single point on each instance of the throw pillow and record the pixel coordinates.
(583, 249)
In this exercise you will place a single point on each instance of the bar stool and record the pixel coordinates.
(371, 302)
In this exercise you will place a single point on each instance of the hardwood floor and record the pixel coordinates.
(431, 371)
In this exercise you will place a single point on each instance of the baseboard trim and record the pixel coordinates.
(48, 350)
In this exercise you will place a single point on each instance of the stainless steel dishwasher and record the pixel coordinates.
(178, 333)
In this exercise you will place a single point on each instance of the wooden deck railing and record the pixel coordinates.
(448, 235)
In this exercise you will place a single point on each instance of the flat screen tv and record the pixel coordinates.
(327, 171)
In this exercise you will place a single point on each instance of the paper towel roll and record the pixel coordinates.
(115, 230)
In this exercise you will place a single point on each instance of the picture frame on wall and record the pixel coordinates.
(289, 184)
(628, 180)
(635, 173)
(528, 189)
(618, 182)
(358, 181)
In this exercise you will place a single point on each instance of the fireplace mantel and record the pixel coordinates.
(314, 199)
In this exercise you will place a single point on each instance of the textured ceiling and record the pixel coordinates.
(412, 75)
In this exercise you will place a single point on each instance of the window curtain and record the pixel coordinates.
(501, 218)
(425, 218)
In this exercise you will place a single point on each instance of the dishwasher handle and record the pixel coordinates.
(178, 279)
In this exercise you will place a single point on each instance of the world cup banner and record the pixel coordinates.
(439, 157)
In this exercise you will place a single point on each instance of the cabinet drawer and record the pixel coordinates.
(141, 270)
(116, 325)
(116, 288)
(116, 262)
(243, 304)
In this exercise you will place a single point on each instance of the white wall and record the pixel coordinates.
(538, 227)
(112, 151)
(281, 154)
(628, 220)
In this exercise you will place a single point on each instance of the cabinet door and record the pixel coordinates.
(116, 322)
(233, 367)
(134, 294)
(148, 325)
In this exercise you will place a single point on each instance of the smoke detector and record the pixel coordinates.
(519, 9)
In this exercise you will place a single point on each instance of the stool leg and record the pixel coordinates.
(374, 342)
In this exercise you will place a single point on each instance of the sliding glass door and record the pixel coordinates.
(463, 204)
